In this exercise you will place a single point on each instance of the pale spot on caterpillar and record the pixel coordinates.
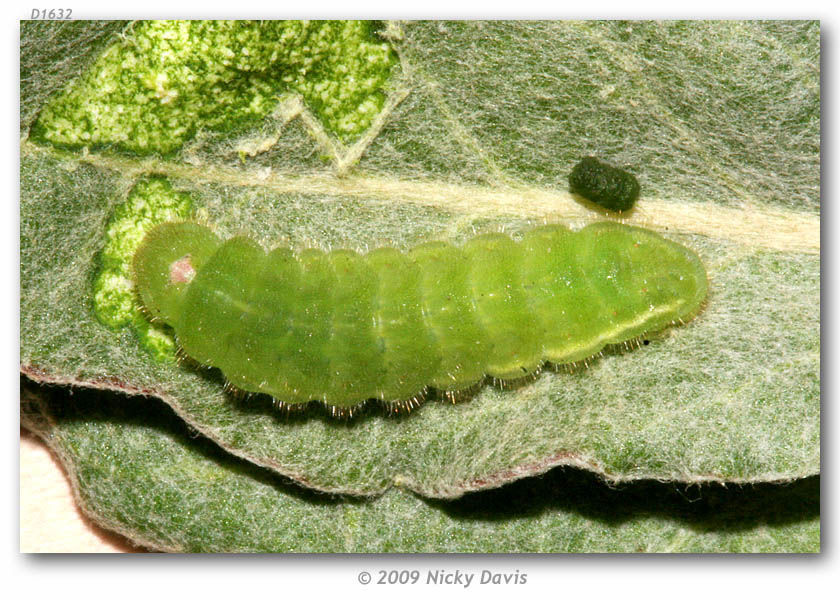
(181, 271)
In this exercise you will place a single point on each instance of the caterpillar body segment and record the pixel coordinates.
(343, 327)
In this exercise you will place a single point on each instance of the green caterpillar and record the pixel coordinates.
(343, 327)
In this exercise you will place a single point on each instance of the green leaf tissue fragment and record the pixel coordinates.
(165, 80)
(151, 202)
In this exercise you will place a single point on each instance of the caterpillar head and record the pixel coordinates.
(673, 276)
(166, 262)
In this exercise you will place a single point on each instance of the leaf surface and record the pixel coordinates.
(136, 469)
(720, 122)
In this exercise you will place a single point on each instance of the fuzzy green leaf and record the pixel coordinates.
(719, 121)
(137, 470)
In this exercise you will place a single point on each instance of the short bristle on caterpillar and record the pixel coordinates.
(607, 186)
(342, 327)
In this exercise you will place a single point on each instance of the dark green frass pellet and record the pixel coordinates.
(603, 184)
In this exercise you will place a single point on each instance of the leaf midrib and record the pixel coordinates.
(777, 229)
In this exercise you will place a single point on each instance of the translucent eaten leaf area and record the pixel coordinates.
(161, 81)
(52, 53)
(138, 470)
(731, 396)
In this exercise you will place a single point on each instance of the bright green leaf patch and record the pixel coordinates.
(52, 52)
(165, 80)
(151, 202)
